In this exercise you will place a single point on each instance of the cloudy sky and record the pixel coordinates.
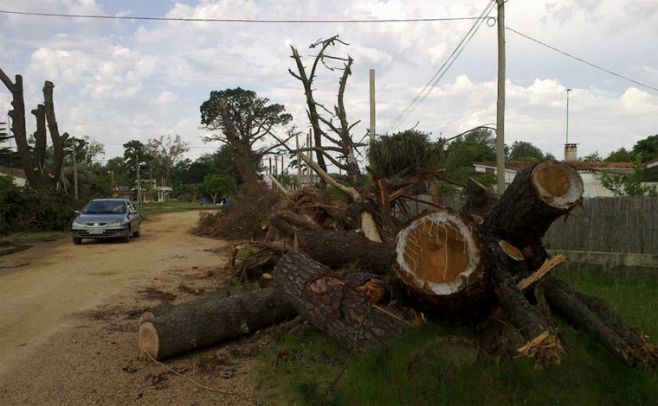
(118, 80)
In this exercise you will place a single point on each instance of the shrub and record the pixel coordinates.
(27, 209)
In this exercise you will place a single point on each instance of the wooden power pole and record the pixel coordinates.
(373, 122)
(75, 173)
(500, 104)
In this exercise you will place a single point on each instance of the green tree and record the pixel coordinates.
(475, 146)
(135, 159)
(242, 120)
(117, 170)
(165, 152)
(215, 185)
(593, 157)
(620, 155)
(525, 151)
(8, 157)
(647, 148)
(629, 185)
(402, 151)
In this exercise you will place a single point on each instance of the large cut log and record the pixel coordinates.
(439, 259)
(334, 304)
(537, 197)
(338, 249)
(191, 325)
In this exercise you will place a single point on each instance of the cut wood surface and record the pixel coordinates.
(439, 254)
(191, 325)
(338, 249)
(533, 201)
(333, 304)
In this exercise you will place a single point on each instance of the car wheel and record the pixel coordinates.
(136, 233)
(77, 241)
(126, 238)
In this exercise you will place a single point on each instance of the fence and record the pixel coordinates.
(608, 224)
(602, 224)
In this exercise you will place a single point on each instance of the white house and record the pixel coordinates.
(590, 172)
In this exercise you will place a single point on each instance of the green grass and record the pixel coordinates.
(149, 209)
(413, 370)
(21, 241)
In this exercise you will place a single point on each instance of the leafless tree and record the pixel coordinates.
(33, 160)
(331, 126)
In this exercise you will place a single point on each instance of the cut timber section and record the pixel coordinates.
(438, 254)
(533, 201)
(166, 332)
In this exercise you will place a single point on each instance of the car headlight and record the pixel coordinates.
(115, 224)
(78, 225)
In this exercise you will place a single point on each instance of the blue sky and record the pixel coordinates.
(122, 80)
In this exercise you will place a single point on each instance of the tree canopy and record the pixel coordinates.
(164, 153)
(391, 154)
(242, 120)
(525, 151)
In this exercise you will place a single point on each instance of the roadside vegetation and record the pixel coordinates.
(147, 210)
(430, 366)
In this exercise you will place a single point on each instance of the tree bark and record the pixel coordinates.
(597, 317)
(338, 249)
(216, 318)
(335, 305)
(535, 199)
(480, 200)
(57, 139)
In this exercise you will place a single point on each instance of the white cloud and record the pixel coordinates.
(121, 80)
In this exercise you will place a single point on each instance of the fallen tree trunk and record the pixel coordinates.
(533, 201)
(335, 305)
(597, 317)
(338, 249)
(202, 322)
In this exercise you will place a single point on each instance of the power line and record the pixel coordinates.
(235, 20)
(438, 75)
(619, 75)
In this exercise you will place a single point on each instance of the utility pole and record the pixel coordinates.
(75, 172)
(139, 185)
(567, 135)
(299, 163)
(500, 104)
(373, 122)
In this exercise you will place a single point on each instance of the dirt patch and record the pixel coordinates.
(69, 320)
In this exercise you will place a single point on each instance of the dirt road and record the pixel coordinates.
(66, 308)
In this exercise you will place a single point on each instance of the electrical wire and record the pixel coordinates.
(619, 75)
(438, 75)
(236, 20)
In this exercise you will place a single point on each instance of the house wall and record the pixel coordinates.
(591, 181)
(592, 185)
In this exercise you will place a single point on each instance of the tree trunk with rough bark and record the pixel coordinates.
(334, 304)
(216, 318)
(338, 249)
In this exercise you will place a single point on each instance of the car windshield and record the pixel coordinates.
(105, 207)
